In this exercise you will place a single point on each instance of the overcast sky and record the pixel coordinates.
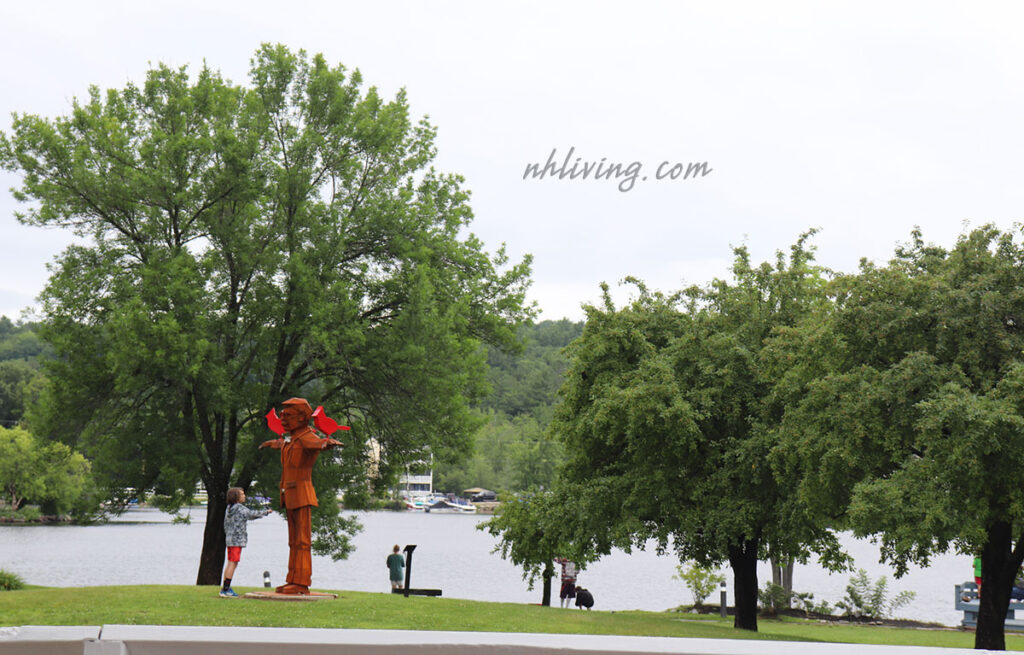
(860, 118)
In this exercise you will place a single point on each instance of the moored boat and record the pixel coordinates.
(450, 506)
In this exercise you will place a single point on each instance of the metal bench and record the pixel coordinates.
(966, 600)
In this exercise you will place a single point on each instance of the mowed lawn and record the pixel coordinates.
(181, 605)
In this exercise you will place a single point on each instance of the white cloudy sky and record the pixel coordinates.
(861, 118)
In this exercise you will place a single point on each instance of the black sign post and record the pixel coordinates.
(408, 578)
(408, 566)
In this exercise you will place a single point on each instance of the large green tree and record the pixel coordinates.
(241, 245)
(905, 415)
(665, 416)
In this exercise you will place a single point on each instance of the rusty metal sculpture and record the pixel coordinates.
(299, 445)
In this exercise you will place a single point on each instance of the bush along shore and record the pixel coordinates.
(31, 515)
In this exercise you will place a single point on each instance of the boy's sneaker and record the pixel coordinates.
(228, 593)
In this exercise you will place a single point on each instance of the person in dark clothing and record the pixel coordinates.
(395, 565)
(584, 598)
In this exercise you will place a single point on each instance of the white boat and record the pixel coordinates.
(450, 506)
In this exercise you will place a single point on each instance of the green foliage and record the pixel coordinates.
(16, 381)
(871, 600)
(533, 530)
(49, 474)
(907, 387)
(171, 502)
(27, 513)
(388, 505)
(10, 581)
(241, 245)
(21, 379)
(805, 601)
(920, 391)
(667, 416)
(20, 342)
(773, 597)
(334, 532)
(702, 581)
(21, 467)
(527, 382)
(509, 454)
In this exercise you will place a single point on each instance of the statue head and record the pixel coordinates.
(295, 414)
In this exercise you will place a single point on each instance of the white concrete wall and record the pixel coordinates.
(188, 640)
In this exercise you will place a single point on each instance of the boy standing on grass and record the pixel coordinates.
(235, 533)
(568, 590)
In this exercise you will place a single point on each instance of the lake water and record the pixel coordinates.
(144, 547)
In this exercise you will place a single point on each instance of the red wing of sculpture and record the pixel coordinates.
(274, 423)
(326, 424)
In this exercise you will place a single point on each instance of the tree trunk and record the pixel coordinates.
(998, 570)
(782, 575)
(211, 559)
(743, 559)
(549, 572)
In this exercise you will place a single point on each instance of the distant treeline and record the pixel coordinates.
(512, 452)
(21, 354)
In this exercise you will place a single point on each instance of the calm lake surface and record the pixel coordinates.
(144, 547)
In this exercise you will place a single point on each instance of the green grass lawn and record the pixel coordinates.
(179, 605)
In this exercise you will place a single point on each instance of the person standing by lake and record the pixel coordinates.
(395, 565)
(236, 535)
(568, 591)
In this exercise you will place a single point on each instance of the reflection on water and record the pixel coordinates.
(143, 547)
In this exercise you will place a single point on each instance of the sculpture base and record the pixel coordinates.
(273, 595)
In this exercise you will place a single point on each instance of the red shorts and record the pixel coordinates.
(234, 553)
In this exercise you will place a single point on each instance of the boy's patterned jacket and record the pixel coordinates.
(234, 523)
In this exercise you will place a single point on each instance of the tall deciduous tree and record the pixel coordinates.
(666, 418)
(906, 409)
(240, 245)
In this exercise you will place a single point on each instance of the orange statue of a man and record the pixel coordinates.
(299, 448)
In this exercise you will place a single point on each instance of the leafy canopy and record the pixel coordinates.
(914, 420)
(242, 245)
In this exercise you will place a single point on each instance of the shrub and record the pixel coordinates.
(10, 581)
(700, 579)
(28, 513)
(805, 602)
(773, 598)
(864, 599)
